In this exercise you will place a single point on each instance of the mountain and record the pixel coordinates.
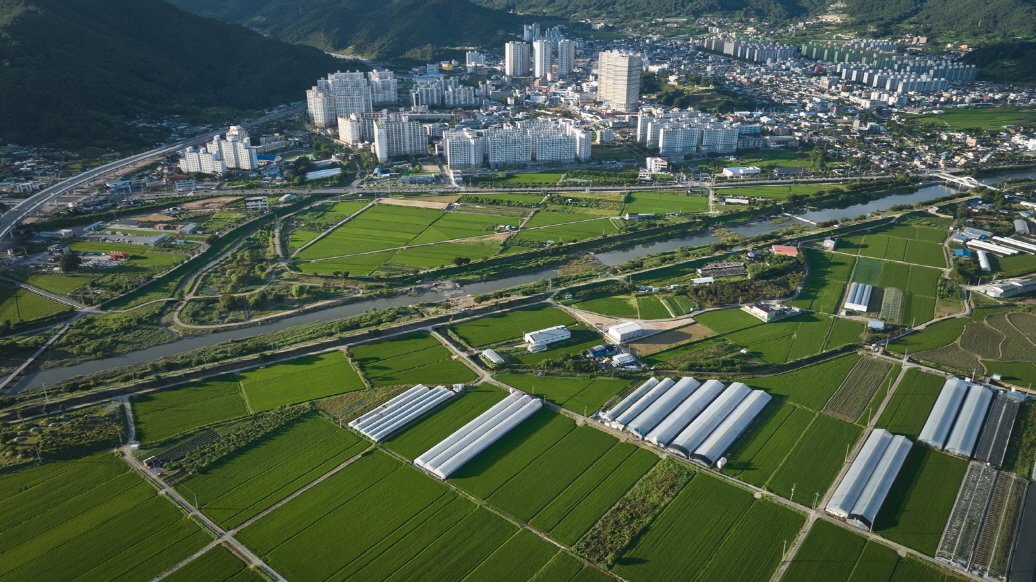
(412, 29)
(72, 72)
(618, 10)
(986, 21)
(1009, 62)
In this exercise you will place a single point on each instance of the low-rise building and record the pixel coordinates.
(626, 332)
(1009, 287)
(539, 340)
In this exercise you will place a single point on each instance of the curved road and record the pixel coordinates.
(10, 219)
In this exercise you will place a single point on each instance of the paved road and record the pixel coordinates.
(24, 209)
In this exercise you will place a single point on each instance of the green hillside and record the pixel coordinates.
(74, 71)
(416, 29)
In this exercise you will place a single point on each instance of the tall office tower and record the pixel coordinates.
(541, 52)
(566, 57)
(618, 80)
(516, 59)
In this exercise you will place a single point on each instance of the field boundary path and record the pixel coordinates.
(48, 295)
(328, 231)
(222, 536)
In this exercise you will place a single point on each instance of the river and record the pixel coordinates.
(38, 379)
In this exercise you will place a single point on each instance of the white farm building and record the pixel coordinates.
(621, 333)
(956, 418)
(400, 411)
(539, 340)
(865, 485)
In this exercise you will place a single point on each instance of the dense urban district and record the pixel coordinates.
(707, 299)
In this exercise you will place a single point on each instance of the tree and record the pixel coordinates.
(70, 262)
(459, 261)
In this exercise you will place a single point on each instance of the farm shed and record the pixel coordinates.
(1009, 287)
(474, 437)
(877, 488)
(855, 479)
(400, 411)
(996, 249)
(1015, 243)
(686, 412)
(628, 401)
(859, 297)
(1022, 226)
(642, 404)
(983, 261)
(969, 421)
(732, 426)
(626, 332)
(940, 420)
(540, 339)
(661, 408)
(492, 357)
(701, 427)
(996, 431)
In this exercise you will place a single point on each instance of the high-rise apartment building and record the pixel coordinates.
(542, 51)
(618, 80)
(516, 59)
(566, 57)
(553, 141)
(342, 94)
(396, 135)
(679, 133)
(232, 151)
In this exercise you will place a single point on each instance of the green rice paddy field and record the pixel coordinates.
(93, 516)
(411, 359)
(908, 410)
(216, 565)
(920, 245)
(661, 306)
(662, 202)
(711, 531)
(582, 395)
(18, 305)
(166, 413)
(252, 479)
(833, 553)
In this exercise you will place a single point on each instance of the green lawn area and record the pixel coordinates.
(94, 517)
(908, 243)
(810, 386)
(915, 512)
(165, 413)
(18, 305)
(252, 479)
(992, 118)
(299, 380)
(453, 225)
(662, 202)
(510, 325)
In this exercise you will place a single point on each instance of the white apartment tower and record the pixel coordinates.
(618, 80)
(566, 57)
(516, 59)
(233, 151)
(553, 141)
(541, 58)
(342, 94)
(395, 135)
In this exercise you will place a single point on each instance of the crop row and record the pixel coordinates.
(856, 391)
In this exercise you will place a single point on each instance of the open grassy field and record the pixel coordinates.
(832, 553)
(777, 342)
(915, 512)
(411, 359)
(510, 325)
(565, 233)
(663, 202)
(776, 192)
(216, 565)
(825, 282)
(992, 118)
(382, 226)
(166, 413)
(379, 519)
(908, 410)
(93, 517)
(299, 380)
(711, 532)
(582, 395)
(254, 478)
(18, 305)
(654, 306)
(308, 225)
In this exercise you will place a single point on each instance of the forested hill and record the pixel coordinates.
(618, 10)
(73, 71)
(381, 29)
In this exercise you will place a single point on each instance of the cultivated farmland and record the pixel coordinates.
(18, 305)
(380, 519)
(250, 480)
(382, 226)
(811, 386)
(299, 380)
(827, 278)
(582, 395)
(858, 388)
(412, 359)
(510, 325)
(166, 413)
(665, 202)
(93, 516)
(216, 565)
(909, 407)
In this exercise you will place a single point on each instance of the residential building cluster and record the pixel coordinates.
(549, 142)
(756, 51)
(233, 151)
(342, 94)
(677, 133)
(522, 59)
(438, 91)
